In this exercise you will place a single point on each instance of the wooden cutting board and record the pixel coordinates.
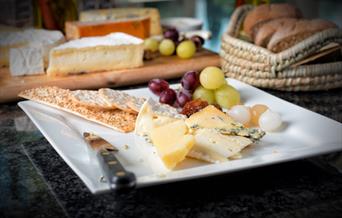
(161, 67)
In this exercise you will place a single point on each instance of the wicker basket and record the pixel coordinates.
(260, 67)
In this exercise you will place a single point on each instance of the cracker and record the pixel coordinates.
(117, 99)
(135, 103)
(60, 98)
(90, 98)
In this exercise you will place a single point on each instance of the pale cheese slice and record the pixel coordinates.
(212, 146)
(209, 117)
(149, 118)
(172, 142)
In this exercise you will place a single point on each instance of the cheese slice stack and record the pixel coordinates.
(199, 136)
(26, 51)
(89, 54)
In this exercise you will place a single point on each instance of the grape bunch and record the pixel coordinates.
(210, 87)
(215, 90)
(160, 87)
(173, 43)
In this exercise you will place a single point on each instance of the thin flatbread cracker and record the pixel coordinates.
(135, 103)
(60, 98)
(89, 98)
(117, 99)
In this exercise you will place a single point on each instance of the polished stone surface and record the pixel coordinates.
(36, 182)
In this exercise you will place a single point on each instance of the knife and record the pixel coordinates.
(116, 175)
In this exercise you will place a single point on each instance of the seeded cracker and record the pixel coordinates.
(117, 99)
(60, 98)
(89, 98)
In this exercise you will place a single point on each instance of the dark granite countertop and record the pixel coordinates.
(36, 182)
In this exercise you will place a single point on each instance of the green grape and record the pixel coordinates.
(167, 47)
(186, 49)
(227, 96)
(212, 78)
(204, 94)
(151, 44)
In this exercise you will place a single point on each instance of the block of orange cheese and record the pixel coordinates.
(124, 13)
(138, 27)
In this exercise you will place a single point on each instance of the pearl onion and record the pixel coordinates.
(270, 121)
(240, 114)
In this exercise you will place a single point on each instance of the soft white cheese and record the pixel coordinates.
(91, 54)
(26, 61)
(113, 39)
(46, 39)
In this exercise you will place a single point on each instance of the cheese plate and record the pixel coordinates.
(303, 134)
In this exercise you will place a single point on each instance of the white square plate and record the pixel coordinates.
(305, 134)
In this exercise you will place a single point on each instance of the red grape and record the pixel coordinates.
(190, 80)
(172, 34)
(158, 85)
(183, 97)
(198, 40)
(168, 96)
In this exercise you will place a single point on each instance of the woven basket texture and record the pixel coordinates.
(260, 67)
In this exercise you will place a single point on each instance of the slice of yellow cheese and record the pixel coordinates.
(172, 142)
(209, 117)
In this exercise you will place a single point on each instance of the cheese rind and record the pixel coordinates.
(90, 54)
(138, 27)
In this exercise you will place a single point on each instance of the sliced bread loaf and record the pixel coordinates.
(288, 36)
(266, 31)
(263, 13)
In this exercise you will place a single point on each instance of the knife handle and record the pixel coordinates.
(117, 176)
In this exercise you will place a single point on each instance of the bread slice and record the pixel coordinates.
(90, 98)
(266, 31)
(60, 98)
(263, 13)
(118, 99)
(285, 38)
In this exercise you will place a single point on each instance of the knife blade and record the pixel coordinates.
(116, 175)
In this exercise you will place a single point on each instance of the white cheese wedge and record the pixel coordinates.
(214, 147)
(26, 61)
(89, 54)
(153, 114)
(173, 142)
(46, 39)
